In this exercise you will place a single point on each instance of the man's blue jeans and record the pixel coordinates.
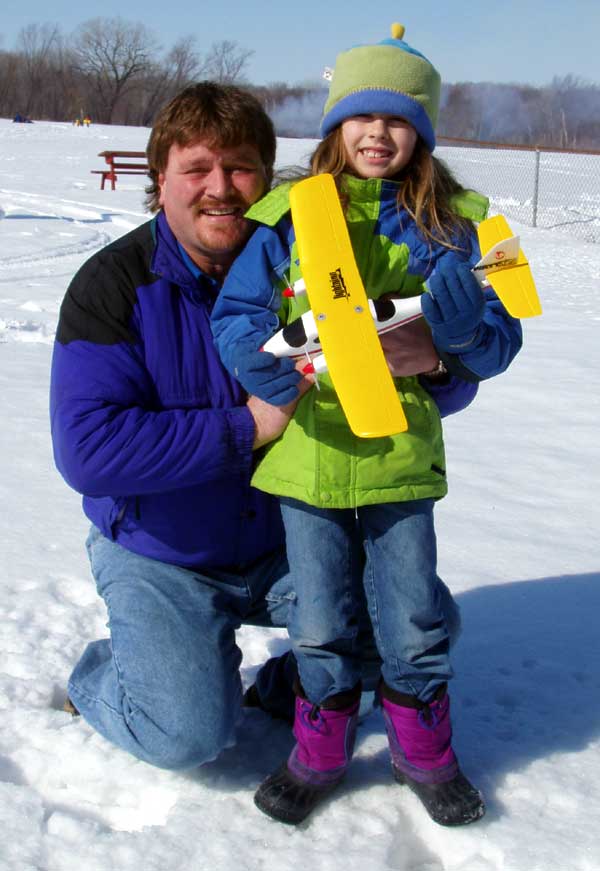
(388, 553)
(166, 685)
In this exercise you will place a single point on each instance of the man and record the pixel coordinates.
(159, 439)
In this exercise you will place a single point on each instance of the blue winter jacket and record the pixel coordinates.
(146, 422)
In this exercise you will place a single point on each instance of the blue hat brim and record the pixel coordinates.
(372, 102)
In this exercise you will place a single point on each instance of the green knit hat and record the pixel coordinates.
(390, 78)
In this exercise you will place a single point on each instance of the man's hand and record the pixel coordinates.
(271, 420)
(409, 350)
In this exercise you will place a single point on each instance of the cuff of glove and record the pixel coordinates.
(458, 344)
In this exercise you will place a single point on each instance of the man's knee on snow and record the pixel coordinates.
(185, 741)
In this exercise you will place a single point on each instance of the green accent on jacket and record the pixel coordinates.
(318, 460)
(273, 206)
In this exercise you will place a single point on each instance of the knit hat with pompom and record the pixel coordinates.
(389, 78)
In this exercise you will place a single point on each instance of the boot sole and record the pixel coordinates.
(276, 798)
(469, 813)
(281, 815)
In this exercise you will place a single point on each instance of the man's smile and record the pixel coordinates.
(220, 212)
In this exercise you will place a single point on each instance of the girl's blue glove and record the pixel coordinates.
(454, 306)
(272, 379)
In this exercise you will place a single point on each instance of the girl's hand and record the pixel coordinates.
(454, 306)
(270, 378)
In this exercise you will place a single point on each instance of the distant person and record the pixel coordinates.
(358, 513)
(161, 441)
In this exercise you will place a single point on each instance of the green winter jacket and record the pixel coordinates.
(318, 460)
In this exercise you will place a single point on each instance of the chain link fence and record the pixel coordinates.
(544, 187)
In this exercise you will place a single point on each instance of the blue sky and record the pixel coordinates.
(503, 42)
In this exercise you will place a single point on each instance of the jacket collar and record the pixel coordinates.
(169, 261)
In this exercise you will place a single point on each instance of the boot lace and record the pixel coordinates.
(428, 718)
(313, 718)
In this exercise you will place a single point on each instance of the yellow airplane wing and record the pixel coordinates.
(337, 298)
(506, 268)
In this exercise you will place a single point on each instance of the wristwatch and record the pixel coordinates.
(439, 372)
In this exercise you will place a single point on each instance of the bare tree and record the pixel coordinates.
(226, 62)
(457, 112)
(163, 80)
(116, 71)
(10, 64)
(64, 96)
(113, 55)
(575, 111)
(183, 63)
(36, 44)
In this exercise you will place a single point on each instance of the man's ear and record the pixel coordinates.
(161, 184)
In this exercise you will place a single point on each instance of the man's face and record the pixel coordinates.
(205, 191)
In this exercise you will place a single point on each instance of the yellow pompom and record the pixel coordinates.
(397, 30)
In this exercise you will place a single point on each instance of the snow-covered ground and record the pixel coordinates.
(517, 541)
(554, 190)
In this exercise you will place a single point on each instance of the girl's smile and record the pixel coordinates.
(378, 146)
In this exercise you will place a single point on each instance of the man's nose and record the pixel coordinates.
(218, 182)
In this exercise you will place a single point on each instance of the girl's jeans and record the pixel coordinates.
(388, 553)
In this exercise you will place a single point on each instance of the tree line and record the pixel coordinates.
(116, 72)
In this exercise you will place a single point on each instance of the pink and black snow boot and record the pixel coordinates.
(325, 742)
(420, 736)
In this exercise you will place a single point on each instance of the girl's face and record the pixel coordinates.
(378, 146)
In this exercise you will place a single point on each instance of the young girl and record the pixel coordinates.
(359, 512)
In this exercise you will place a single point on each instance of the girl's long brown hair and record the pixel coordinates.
(426, 192)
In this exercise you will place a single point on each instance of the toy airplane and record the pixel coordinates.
(338, 332)
(300, 339)
(339, 305)
(505, 267)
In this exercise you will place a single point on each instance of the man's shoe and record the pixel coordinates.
(69, 708)
(280, 711)
(251, 698)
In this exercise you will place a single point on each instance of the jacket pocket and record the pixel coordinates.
(115, 518)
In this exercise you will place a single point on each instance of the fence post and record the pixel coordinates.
(536, 186)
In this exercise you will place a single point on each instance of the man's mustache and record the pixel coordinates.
(221, 204)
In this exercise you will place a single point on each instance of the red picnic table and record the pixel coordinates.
(121, 163)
